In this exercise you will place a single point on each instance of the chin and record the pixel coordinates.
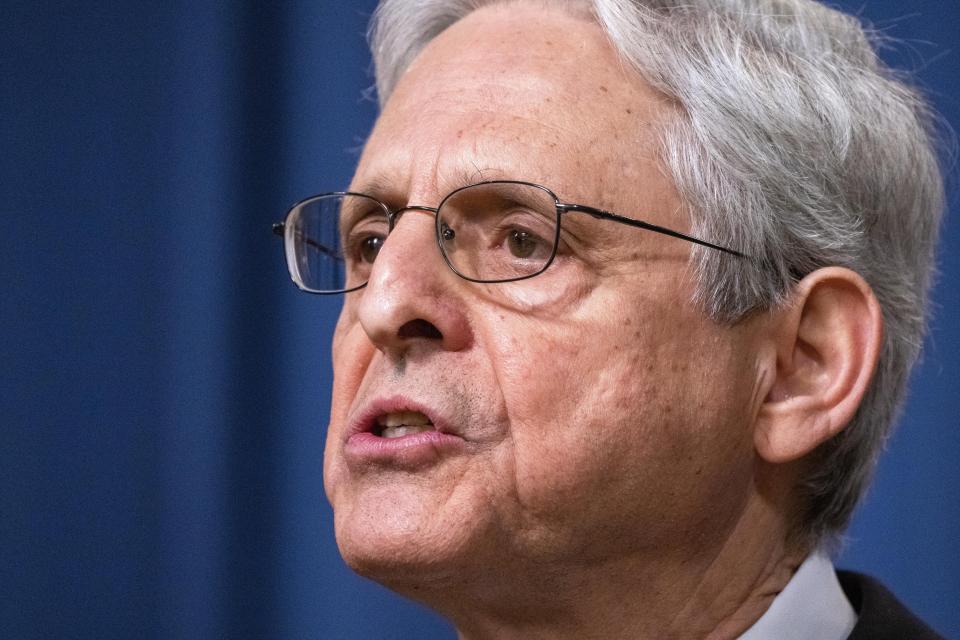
(402, 562)
(392, 536)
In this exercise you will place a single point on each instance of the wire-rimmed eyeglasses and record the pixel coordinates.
(489, 232)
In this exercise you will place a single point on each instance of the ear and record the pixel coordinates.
(827, 341)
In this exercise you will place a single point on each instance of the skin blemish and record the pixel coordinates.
(629, 111)
(604, 89)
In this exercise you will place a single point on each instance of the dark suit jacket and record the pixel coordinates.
(881, 616)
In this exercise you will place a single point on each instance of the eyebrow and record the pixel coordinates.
(377, 185)
(380, 185)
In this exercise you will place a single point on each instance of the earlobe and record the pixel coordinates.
(827, 342)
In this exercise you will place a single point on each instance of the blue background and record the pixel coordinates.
(163, 386)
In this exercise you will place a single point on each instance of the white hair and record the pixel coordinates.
(793, 143)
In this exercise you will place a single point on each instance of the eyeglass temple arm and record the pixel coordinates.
(640, 224)
(278, 228)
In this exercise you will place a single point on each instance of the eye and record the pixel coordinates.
(369, 247)
(363, 241)
(523, 244)
(446, 233)
(521, 238)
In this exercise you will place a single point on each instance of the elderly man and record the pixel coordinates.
(631, 291)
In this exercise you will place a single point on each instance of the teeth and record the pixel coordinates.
(403, 418)
(403, 423)
(399, 432)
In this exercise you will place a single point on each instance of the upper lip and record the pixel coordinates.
(365, 419)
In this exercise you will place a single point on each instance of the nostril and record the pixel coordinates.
(419, 328)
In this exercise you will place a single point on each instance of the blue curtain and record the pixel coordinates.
(163, 387)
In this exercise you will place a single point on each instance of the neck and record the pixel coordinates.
(717, 590)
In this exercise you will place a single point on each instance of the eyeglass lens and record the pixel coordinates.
(491, 232)
(320, 257)
(498, 231)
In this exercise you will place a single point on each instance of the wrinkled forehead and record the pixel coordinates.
(516, 85)
(502, 43)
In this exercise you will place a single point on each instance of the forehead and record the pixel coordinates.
(522, 92)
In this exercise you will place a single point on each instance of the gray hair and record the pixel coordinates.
(795, 144)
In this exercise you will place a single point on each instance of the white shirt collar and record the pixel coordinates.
(811, 606)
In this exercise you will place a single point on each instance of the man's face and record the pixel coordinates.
(590, 414)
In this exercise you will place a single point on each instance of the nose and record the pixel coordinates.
(412, 298)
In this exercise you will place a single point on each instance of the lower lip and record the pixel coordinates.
(411, 451)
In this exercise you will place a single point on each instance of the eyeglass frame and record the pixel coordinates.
(560, 208)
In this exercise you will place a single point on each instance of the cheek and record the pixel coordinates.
(568, 389)
(606, 411)
(562, 372)
(352, 352)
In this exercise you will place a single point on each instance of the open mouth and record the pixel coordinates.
(398, 424)
(400, 433)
